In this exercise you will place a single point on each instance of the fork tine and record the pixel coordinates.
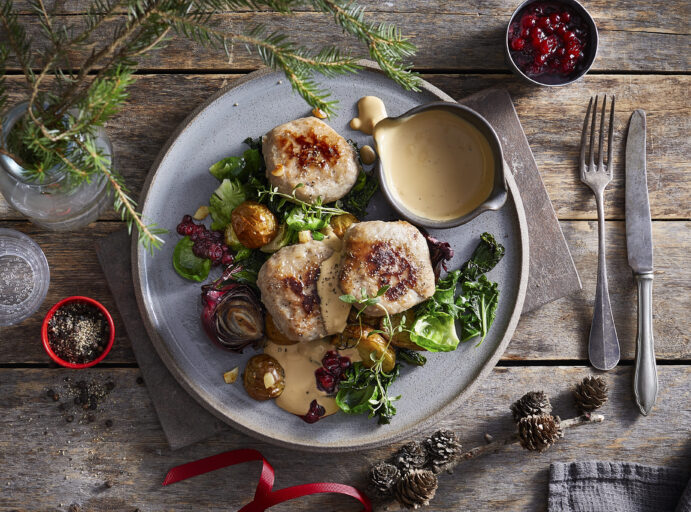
(591, 165)
(600, 147)
(584, 137)
(609, 139)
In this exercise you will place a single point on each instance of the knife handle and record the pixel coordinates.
(645, 376)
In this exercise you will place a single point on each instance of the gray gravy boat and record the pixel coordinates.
(497, 196)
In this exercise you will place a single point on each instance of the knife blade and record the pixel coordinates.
(639, 245)
(639, 228)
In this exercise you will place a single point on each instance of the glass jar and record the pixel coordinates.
(56, 203)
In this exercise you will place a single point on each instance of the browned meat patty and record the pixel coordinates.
(310, 152)
(381, 253)
(288, 284)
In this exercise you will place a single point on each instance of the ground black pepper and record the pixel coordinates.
(78, 332)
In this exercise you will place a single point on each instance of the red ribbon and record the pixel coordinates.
(264, 496)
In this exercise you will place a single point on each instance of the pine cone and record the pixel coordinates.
(539, 432)
(442, 449)
(411, 456)
(591, 393)
(533, 402)
(382, 478)
(416, 488)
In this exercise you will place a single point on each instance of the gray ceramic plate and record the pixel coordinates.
(179, 182)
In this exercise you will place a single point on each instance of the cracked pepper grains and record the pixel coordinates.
(78, 332)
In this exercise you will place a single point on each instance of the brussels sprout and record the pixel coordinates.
(231, 238)
(281, 239)
(254, 224)
(264, 377)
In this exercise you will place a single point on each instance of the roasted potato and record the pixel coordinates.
(264, 377)
(339, 223)
(253, 224)
(274, 334)
(400, 339)
(367, 342)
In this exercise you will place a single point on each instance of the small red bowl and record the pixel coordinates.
(49, 315)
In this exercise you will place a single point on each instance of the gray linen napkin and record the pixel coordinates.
(595, 486)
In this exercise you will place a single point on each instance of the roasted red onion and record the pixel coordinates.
(233, 316)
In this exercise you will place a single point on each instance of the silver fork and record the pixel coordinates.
(603, 346)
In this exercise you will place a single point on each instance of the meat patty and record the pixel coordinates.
(310, 152)
(288, 284)
(381, 253)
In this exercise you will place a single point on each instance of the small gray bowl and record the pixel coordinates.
(496, 197)
(593, 41)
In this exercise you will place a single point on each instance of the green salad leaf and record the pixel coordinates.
(300, 219)
(365, 390)
(223, 201)
(187, 264)
(238, 167)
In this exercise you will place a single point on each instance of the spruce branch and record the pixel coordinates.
(17, 39)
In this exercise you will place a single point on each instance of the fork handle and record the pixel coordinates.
(645, 376)
(603, 345)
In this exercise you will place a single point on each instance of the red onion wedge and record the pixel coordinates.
(233, 316)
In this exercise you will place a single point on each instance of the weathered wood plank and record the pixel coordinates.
(558, 331)
(551, 119)
(49, 464)
(448, 40)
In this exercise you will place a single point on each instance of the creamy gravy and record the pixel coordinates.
(438, 165)
(367, 155)
(299, 363)
(334, 311)
(371, 110)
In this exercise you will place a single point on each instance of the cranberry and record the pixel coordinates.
(199, 250)
(525, 33)
(565, 16)
(187, 219)
(529, 20)
(227, 259)
(544, 22)
(325, 380)
(554, 18)
(215, 252)
(518, 44)
(315, 413)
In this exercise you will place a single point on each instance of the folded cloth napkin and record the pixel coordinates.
(595, 486)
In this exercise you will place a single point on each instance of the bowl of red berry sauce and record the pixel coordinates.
(551, 43)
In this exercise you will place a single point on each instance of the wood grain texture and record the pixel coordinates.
(456, 38)
(551, 119)
(75, 459)
(558, 331)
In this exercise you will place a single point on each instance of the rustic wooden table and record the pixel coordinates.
(49, 464)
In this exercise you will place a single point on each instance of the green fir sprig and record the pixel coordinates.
(69, 100)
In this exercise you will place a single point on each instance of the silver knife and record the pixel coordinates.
(639, 243)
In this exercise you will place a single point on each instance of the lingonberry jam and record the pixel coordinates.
(207, 244)
(332, 371)
(549, 42)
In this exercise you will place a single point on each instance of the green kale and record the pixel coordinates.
(365, 390)
(187, 264)
(358, 198)
(478, 304)
(485, 257)
(412, 357)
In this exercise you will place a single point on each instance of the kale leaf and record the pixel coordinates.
(365, 390)
(485, 257)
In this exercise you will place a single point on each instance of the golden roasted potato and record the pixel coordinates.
(401, 339)
(264, 377)
(366, 342)
(253, 224)
(274, 334)
(339, 223)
